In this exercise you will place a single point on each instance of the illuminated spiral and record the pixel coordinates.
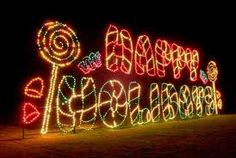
(212, 71)
(58, 44)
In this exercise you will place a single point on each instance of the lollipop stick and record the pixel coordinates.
(214, 95)
(49, 100)
(59, 46)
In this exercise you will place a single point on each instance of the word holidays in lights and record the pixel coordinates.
(79, 100)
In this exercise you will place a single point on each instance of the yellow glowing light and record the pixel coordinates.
(212, 72)
(169, 101)
(59, 46)
(144, 58)
(34, 88)
(79, 106)
(186, 108)
(198, 99)
(65, 115)
(88, 111)
(134, 103)
(112, 103)
(154, 101)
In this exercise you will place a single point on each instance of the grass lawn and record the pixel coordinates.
(213, 136)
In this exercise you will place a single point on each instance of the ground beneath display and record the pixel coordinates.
(213, 136)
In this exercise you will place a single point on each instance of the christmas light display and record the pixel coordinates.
(30, 113)
(66, 89)
(119, 50)
(88, 113)
(90, 62)
(198, 99)
(34, 88)
(212, 73)
(186, 109)
(145, 60)
(81, 101)
(169, 101)
(163, 56)
(113, 106)
(81, 107)
(58, 45)
(178, 56)
(155, 102)
(112, 103)
(134, 103)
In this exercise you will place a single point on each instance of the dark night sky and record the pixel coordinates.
(209, 29)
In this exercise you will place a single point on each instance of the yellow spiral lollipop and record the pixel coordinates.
(59, 46)
(212, 73)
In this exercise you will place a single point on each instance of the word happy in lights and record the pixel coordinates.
(91, 93)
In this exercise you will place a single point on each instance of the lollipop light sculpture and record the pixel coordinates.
(58, 45)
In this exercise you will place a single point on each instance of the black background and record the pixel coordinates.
(208, 28)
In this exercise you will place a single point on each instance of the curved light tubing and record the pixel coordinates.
(30, 113)
(90, 63)
(120, 55)
(83, 105)
(34, 88)
(119, 50)
(59, 46)
(155, 102)
(112, 103)
(113, 106)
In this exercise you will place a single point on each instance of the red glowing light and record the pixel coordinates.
(30, 113)
(119, 55)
